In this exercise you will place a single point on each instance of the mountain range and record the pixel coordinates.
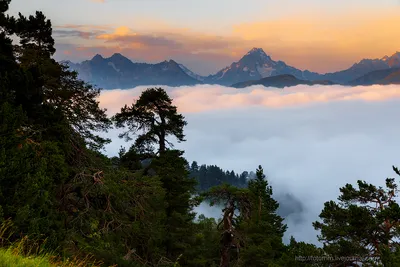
(256, 67)
(385, 76)
(280, 81)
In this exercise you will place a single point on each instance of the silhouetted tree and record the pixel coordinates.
(153, 118)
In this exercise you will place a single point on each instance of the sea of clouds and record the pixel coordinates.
(310, 140)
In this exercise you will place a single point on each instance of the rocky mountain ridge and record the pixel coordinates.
(120, 72)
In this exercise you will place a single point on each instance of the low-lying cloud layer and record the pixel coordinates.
(311, 140)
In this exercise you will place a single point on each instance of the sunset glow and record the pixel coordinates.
(308, 35)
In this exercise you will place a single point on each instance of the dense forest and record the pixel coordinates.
(58, 189)
(212, 175)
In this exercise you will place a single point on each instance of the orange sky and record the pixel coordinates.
(320, 36)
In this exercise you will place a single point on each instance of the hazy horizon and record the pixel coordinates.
(208, 73)
(320, 36)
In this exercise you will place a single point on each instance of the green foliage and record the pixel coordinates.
(235, 201)
(28, 172)
(54, 90)
(364, 223)
(7, 258)
(303, 255)
(205, 248)
(30, 252)
(390, 258)
(153, 118)
(179, 188)
(116, 215)
(210, 176)
(264, 231)
(130, 159)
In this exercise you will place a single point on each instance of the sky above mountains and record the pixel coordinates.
(208, 35)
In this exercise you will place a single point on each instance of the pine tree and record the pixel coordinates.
(264, 232)
(56, 89)
(170, 167)
(364, 223)
(235, 201)
(205, 249)
(39, 140)
(155, 118)
(301, 254)
(10, 76)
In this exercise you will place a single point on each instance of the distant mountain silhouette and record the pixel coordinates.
(386, 76)
(279, 81)
(118, 71)
(255, 65)
(359, 69)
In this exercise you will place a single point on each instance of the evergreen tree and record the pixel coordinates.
(235, 201)
(55, 87)
(194, 167)
(10, 76)
(40, 144)
(265, 230)
(210, 176)
(170, 167)
(205, 249)
(243, 178)
(153, 118)
(364, 224)
(115, 214)
(301, 254)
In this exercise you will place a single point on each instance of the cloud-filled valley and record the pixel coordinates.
(310, 140)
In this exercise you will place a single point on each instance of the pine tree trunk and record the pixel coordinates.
(162, 135)
(226, 246)
(162, 144)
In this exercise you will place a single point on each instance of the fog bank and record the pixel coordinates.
(310, 140)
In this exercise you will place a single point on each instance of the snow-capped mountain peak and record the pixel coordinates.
(191, 73)
(255, 65)
(256, 54)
